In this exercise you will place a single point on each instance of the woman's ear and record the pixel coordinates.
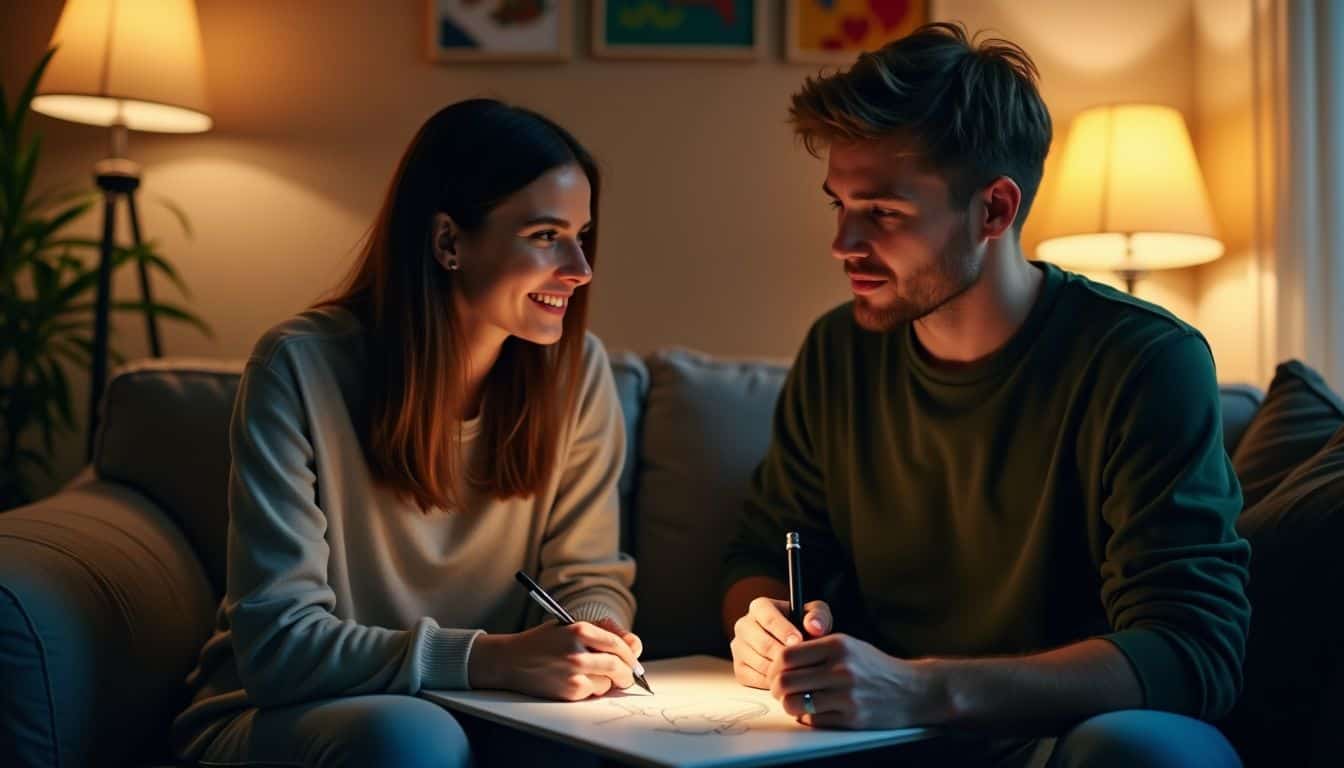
(444, 241)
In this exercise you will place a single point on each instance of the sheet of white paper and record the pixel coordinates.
(699, 716)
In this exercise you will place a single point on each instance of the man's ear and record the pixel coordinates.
(1002, 199)
(443, 240)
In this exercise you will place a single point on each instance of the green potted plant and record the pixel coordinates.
(48, 284)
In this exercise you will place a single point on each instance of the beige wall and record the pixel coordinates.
(1093, 52)
(715, 232)
(1231, 311)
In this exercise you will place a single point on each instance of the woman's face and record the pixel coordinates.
(518, 272)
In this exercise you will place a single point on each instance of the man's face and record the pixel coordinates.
(906, 251)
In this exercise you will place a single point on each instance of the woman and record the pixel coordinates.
(400, 450)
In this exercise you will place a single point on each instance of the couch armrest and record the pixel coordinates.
(103, 609)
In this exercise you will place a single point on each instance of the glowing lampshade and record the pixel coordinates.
(133, 62)
(1128, 195)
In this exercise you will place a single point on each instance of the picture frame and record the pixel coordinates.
(712, 30)
(499, 30)
(836, 31)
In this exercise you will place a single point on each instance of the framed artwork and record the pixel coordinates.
(498, 30)
(836, 31)
(679, 29)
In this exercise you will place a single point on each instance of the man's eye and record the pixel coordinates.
(835, 204)
(547, 236)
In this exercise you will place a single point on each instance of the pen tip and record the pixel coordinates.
(643, 683)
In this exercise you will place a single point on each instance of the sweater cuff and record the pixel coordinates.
(593, 610)
(1162, 671)
(444, 654)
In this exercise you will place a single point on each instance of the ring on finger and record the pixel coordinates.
(809, 706)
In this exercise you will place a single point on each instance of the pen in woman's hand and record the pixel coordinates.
(554, 608)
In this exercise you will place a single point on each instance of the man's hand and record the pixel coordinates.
(854, 685)
(765, 630)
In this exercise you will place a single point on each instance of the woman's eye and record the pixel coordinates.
(546, 236)
(885, 213)
(834, 204)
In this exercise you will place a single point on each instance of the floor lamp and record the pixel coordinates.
(129, 65)
(1127, 195)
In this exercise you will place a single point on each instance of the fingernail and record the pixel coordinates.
(793, 640)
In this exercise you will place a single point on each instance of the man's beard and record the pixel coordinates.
(953, 272)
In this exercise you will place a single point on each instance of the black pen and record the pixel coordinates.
(793, 547)
(553, 607)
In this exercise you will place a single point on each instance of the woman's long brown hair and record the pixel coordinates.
(464, 161)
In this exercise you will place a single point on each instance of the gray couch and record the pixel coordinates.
(108, 588)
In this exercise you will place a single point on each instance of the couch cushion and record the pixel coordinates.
(1296, 533)
(1240, 402)
(706, 427)
(103, 609)
(165, 433)
(632, 386)
(1299, 414)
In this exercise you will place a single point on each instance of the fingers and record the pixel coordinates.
(603, 665)
(817, 618)
(808, 654)
(595, 638)
(749, 667)
(823, 702)
(636, 645)
(769, 614)
(828, 720)
(752, 635)
(748, 676)
(809, 679)
(629, 638)
(600, 685)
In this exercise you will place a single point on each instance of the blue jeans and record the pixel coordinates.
(1126, 739)
(380, 730)
(1143, 738)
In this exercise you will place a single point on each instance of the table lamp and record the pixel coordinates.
(1128, 195)
(130, 65)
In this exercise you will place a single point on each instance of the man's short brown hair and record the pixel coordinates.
(971, 106)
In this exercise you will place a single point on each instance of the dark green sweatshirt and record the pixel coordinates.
(1073, 484)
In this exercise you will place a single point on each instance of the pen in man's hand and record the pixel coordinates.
(553, 607)
(794, 548)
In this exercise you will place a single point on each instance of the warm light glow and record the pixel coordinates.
(1128, 194)
(137, 60)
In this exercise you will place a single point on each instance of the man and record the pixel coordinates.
(1010, 482)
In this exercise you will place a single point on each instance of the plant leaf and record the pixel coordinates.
(170, 311)
(61, 392)
(147, 254)
(177, 212)
(25, 100)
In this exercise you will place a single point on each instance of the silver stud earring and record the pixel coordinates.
(452, 265)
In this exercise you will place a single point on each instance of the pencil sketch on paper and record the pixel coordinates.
(724, 717)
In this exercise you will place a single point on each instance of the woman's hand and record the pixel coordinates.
(630, 638)
(554, 661)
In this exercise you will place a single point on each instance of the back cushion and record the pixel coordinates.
(706, 426)
(1299, 414)
(165, 433)
(1240, 402)
(632, 386)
